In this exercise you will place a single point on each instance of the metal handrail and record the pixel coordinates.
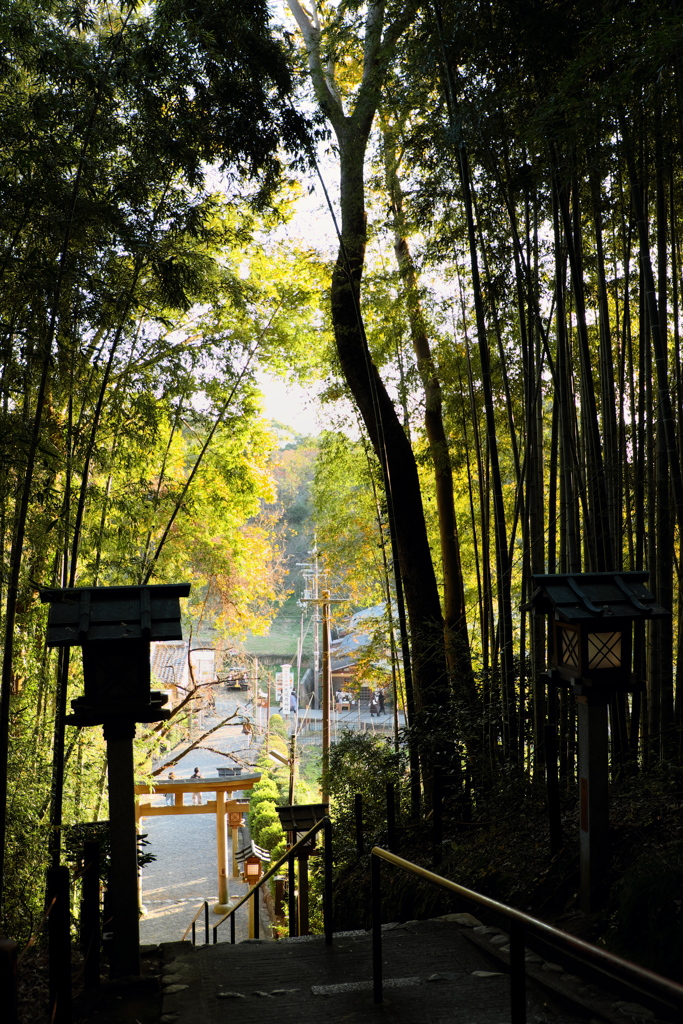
(192, 925)
(325, 825)
(520, 923)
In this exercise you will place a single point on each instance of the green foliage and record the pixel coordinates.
(349, 510)
(265, 789)
(277, 726)
(264, 823)
(361, 762)
(271, 834)
(263, 813)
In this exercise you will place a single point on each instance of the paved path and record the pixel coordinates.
(432, 974)
(185, 872)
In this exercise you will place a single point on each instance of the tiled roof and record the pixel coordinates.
(169, 662)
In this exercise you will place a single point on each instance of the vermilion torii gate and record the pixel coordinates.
(221, 806)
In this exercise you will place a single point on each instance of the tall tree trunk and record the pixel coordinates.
(597, 536)
(663, 578)
(393, 449)
(455, 621)
(570, 555)
(388, 437)
(657, 331)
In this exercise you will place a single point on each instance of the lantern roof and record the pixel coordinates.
(301, 817)
(595, 597)
(81, 614)
(251, 850)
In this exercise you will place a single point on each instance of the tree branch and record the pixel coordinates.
(323, 78)
(378, 49)
(193, 746)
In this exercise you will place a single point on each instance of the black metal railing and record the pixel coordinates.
(521, 927)
(300, 851)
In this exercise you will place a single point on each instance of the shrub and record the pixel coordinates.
(278, 727)
(263, 813)
(271, 836)
(267, 789)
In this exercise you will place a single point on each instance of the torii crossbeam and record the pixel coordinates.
(222, 787)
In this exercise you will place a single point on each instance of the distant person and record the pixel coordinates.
(170, 797)
(380, 701)
(196, 797)
(292, 703)
(374, 706)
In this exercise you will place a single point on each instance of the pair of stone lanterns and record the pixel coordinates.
(592, 623)
(114, 626)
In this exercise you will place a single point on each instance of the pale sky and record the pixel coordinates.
(291, 404)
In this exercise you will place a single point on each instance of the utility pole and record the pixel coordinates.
(316, 624)
(292, 766)
(311, 575)
(323, 689)
(254, 699)
(326, 688)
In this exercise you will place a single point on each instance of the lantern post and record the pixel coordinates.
(114, 627)
(296, 821)
(592, 616)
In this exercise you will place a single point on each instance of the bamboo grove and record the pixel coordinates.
(132, 450)
(523, 209)
(566, 155)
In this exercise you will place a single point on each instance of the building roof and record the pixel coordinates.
(169, 662)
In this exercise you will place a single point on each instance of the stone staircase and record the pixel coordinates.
(435, 971)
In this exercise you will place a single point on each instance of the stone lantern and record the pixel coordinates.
(251, 858)
(592, 621)
(114, 627)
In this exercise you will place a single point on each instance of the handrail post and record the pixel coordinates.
(59, 945)
(327, 881)
(206, 922)
(358, 816)
(215, 934)
(437, 815)
(375, 863)
(291, 897)
(8, 979)
(232, 930)
(517, 974)
(303, 892)
(194, 935)
(90, 914)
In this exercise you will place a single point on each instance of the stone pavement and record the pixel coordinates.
(185, 872)
(184, 875)
(432, 975)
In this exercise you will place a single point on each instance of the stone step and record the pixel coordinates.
(432, 974)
